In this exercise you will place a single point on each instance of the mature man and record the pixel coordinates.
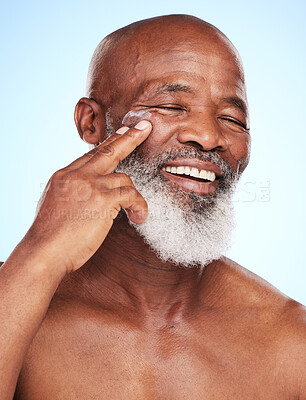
(120, 291)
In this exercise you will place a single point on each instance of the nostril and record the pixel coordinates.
(194, 144)
(199, 146)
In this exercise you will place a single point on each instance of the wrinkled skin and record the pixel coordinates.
(127, 326)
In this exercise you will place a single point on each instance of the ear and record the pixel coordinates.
(90, 121)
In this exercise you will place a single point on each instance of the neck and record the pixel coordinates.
(127, 271)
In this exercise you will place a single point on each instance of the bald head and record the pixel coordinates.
(117, 57)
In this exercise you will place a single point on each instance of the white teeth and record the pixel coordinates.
(180, 170)
(195, 172)
(203, 174)
(187, 170)
(211, 176)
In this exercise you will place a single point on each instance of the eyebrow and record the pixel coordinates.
(237, 102)
(174, 87)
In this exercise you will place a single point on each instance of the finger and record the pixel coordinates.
(79, 162)
(115, 180)
(119, 132)
(108, 156)
(132, 201)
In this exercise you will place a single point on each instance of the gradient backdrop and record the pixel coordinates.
(45, 51)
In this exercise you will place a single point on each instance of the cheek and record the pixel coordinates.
(239, 149)
(163, 126)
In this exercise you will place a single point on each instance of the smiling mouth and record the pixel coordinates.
(192, 173)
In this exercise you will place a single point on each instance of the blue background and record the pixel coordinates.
(45, 51)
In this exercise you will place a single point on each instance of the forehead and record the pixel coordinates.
(131, 61)
(193, 45)
(196, 62)
(195, 68)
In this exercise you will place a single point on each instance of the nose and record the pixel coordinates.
(203, 130)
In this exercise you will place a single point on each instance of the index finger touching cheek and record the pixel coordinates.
(130, 120)
(109, 154)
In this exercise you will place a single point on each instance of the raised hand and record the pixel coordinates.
(80, 202)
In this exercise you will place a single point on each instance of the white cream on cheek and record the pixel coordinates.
(133, 117)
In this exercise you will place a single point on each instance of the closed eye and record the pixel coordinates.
(174, 107)
(235, 121)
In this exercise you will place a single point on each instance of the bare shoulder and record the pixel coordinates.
(292, 343)
(253, 289)
(284, 318)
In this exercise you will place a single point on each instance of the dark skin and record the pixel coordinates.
(122, 324)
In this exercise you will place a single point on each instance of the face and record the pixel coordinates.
(196, 102)
(195, 98)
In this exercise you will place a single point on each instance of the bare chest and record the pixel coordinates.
(118, 363)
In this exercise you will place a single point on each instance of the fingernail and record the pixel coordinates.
(142, 125)
(122, 130)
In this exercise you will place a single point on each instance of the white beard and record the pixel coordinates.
(183, 228)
